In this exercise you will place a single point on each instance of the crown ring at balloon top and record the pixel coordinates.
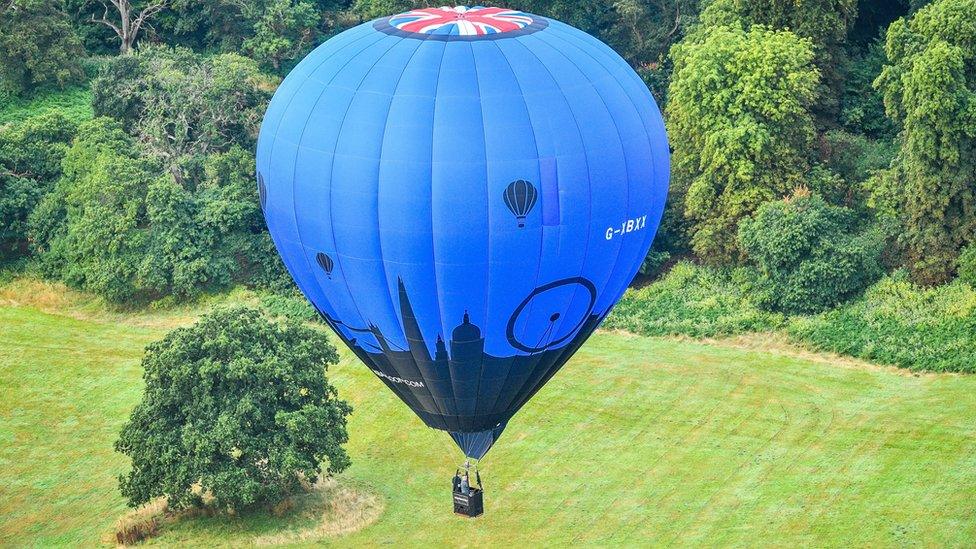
(461, 23)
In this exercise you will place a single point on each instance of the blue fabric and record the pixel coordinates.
(395, 159)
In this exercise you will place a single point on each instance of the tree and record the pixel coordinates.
(30, 163)
(117, 224)
(182, 105)
(929, 86)
(286, 30)
(92, 229)
(224, 25)
(824, 22)
(236, 407)
(739, 121)
(38, 47)
(127, 19)
(809, 255)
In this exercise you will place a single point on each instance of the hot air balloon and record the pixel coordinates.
(393, 159)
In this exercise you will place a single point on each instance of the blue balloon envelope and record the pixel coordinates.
(463, 194)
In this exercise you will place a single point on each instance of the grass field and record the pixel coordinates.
(638, 440)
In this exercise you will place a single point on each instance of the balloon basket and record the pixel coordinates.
(471, 505)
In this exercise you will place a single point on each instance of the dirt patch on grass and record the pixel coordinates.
(58, 299)
(327, 510)
(781, 345)
(336, 509)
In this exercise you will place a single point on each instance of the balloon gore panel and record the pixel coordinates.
(463, 194)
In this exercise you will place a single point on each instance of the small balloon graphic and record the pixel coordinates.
(325, 262)
(520, 197)
(262, 191)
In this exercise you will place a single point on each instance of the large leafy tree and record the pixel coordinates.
(236, 408)
(38, 46)
(119, 225)
(286, 30)
(30, 163)
(93, 228)
(740, 126)
(184, 106)
(929, 86)
(158, 197)
(824, 22)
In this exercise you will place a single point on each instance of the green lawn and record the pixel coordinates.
(637, 440)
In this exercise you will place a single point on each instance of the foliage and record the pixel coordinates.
(897, 322)
(929, 86)
(30, 163)
(117, 225)
(654, 262)
(874, 16)
(286, 30)
(93, 228)
(73, 104)
(967, 265)
(291, 304)
(656, 77)
(643, 31)
(38, 47)
(281, 29)
(236, 408)
(824, 22)
(371, 9)
(693, 301)
(183, 105)
(862, 107)
(809, 255)
(740, 126)
(855, 157)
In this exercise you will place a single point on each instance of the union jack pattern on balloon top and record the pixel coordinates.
(464, 21)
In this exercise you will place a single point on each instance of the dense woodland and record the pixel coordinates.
(824, 156)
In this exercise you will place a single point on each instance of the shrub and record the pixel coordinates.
(73, 104)
(809, 255)
(290, 304)
(237, 410)
(967, 265)
(693, 301)
(897, 322)
(654, 262)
